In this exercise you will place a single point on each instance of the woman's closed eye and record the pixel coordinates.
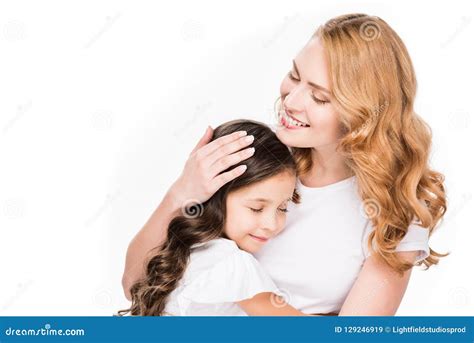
(319, 101)
(293, 78)
(315, 99)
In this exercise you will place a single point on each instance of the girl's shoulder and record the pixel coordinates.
(204, 256)
(216, 244)
(219, 271)
(214, 250)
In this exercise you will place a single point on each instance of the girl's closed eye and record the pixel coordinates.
(258, 210)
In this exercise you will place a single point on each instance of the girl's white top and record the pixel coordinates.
(218, 275)
(317, 257)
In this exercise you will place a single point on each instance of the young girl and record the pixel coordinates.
(205, 266)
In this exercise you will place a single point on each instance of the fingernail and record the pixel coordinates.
(242, 168)
(242, 133)
(249, 139)
(251, 151)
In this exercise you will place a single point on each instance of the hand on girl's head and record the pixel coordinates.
(202, 175)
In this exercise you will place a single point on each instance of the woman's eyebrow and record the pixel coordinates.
(312, 84)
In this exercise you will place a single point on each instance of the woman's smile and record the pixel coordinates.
(291, 122)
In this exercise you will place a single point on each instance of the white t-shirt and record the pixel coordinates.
(317, 257)
(218, 275)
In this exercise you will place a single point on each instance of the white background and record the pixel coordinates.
(101, 102)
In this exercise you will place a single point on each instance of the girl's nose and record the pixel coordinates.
(271, 223)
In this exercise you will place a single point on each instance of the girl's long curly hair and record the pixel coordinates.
(387, 145)
(203, 222)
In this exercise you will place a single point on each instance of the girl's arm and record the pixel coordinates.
(378, 290)
(200, 179)
(268, 304)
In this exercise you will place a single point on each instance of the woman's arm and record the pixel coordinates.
(268, 304)
(201, 177)
(378, 290)
(150, 236)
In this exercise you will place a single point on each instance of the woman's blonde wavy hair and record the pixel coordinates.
(386, 143)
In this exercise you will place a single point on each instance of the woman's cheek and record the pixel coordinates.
(328, 126)
(320, 116)
(285, 87)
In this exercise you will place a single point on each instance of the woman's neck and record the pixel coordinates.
(328, 167)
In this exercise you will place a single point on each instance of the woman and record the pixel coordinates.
(369, 200)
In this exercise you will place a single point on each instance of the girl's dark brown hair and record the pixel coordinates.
(203, 222)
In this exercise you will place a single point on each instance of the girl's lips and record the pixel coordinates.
(258, 238)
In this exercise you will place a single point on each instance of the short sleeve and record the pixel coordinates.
(416, 239)
(237, 277)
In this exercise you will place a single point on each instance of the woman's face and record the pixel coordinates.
(306, 97)
(257, 213)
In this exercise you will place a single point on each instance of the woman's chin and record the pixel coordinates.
(289, 138)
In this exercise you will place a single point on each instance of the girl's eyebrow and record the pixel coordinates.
(260, 200)
(266, 200)
(312, 84)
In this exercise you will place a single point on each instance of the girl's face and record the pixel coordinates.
(306, 98)
(257, 213)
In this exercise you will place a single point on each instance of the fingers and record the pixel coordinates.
(207, 159)
(223, 178)
(230, 160)
(204, 140)
(230, 148)
(219, 143)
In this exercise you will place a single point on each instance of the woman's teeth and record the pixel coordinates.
(292, 121)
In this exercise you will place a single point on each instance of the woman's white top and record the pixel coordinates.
(315, 260)
(218, 275)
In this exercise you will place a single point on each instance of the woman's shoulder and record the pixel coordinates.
(416, 238)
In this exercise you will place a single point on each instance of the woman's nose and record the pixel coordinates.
(294, 101)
